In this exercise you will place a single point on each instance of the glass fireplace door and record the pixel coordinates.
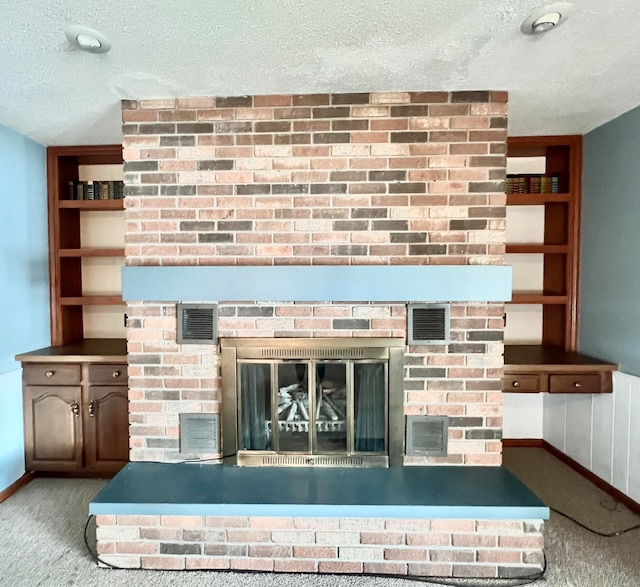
(293, 407)
(313, 407)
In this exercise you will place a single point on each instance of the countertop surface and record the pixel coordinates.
(101, 350)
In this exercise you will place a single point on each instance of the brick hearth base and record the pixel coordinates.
(462, 548)
(443, 521)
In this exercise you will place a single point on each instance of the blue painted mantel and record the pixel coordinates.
(322, 283)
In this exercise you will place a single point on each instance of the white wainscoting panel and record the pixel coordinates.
(634, 439)
(555, 409)
(11, 428)
(578, 435)
(602, 436)
(523, 415)
(601, 432)
(621, 422)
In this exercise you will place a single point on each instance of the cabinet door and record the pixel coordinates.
(107, 428)
(53, 427)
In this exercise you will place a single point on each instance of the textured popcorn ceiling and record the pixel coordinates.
(571, 80)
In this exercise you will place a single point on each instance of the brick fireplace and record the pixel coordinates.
(381, 180)
(354, 179)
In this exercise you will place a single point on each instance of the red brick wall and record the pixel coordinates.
(461, 548)
(380, 178)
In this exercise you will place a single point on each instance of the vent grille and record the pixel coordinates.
(200, 433)
(428, 323)
(197, 323)
(306, 460)
(427, 435)
(301, 353)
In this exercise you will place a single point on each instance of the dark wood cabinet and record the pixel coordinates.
(76, 408)
(534, 369)
(53, 427)
(76, 391)
(107, 430)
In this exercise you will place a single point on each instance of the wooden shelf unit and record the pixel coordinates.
(560, 249)
(554, 366)
(91, 252)
(66, 252)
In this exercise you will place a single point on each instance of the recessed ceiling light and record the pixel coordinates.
(546, 18)
(87, 39)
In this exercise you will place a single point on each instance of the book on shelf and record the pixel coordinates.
(532, 184)
(95, 190)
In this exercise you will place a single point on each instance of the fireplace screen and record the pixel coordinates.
(313, 406)
(308, 410)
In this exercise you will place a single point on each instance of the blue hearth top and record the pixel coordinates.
(404, 492)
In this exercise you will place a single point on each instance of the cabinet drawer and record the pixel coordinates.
(106, 374)
(51, 374)
(574, 383)
(521, 383)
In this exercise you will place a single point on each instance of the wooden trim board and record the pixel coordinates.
(634, 506)
(16, 485)
(523, 442)
(616, 494)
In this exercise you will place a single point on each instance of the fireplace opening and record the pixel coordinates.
(302, 402)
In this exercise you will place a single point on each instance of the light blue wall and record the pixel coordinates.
(24, 283)
(610, 243)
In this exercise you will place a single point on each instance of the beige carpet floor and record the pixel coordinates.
(41, 538)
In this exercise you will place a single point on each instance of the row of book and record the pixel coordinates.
(532, 184)
(96, 190)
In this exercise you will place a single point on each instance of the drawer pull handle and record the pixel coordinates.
(92, 409)
(75, 408)
(49, 373)
(516, 384)
(115, 374)
(577, 385)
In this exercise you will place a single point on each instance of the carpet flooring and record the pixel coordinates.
(41, 538)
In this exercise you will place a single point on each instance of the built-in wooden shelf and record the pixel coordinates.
(537, 248)
(68, 219)
(96, 300)
(92, 252)
(536, 199)
(92, 204)
(537, 298)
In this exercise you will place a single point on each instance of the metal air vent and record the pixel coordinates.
(305, 461)
(197, 323)
(200, 433)
(318, 353)
(428, 323)
(427, 436)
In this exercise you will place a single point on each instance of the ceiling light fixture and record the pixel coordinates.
(87, 39)
(546, 18)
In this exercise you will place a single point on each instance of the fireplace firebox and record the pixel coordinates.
(313, 402)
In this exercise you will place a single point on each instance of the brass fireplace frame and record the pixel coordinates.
(388, 349)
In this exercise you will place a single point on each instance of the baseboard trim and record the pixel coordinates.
(634, 506)
(522, 442)
(16, 485)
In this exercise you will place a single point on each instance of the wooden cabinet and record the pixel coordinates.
(76, 391)
(543, 247)
(536, 368)
(83, 246)
(53, 427)
(76, 408)
(107, 432)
